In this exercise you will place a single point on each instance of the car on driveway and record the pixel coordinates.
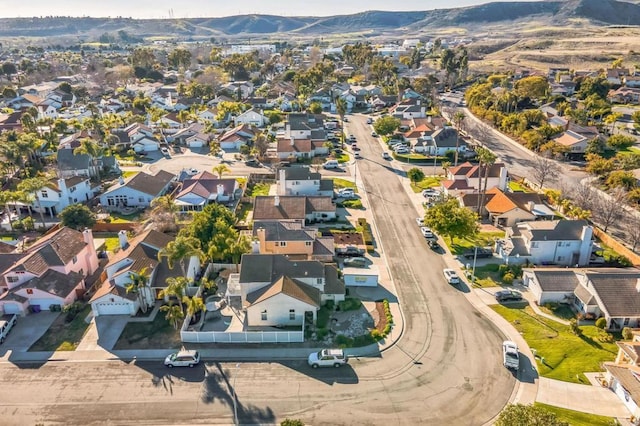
(481, 254)
(165, 152)
(508, 296)
(451, 276)
(6, 324)
(348, 251)
(356, 262)
(430, 192)
(426, 232)
(401, 150)
(182, 359)
(327, 358)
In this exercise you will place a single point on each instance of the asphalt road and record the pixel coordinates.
(446, 369)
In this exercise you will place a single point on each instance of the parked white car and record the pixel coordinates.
(426, 232)
(347, 193)
(451, 276)
(510, 355)
(6, 324)
(327, 358)
(420, 221)
(401, 149)
(182, 359)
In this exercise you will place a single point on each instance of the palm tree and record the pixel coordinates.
(194, 305)
(237, 248)
(458, 117)
(487, 159)
(446, 165)
(93, 150)
(341, 109)
(174, 314)
(220, 169)
(175, 287)
(31, 187)
(140, 285)
(164, 204)
(180, 249)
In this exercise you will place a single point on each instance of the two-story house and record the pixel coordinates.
(302, 181)
(204, 188)
(302, 208)
(548, 242)
(465, 178)
(51, 272)
(240, 135)
(252, 117)
(276, 291)
(60, 193)
(623, 375)
(293, 239)
(138, 191)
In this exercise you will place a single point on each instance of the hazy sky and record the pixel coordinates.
(210, 8)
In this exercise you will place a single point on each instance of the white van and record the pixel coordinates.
(331, 164)
(6, 324)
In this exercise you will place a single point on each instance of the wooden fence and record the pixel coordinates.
(618, 247)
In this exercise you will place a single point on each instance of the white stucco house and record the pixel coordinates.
(60, 193)
(302, 181)
(50, 272)
(137, 191)
(252, 117)
(204, 188)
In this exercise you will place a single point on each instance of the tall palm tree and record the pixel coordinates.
(140, 285)
(180, 249)
(31, 187)
(93, 150)
(176, 287)
(237, 248)
(194, 305)
(341, 109)
(458, 118)
(174, 314)
(446, 165)
(220, 169)
(5, 199)
(486, 159)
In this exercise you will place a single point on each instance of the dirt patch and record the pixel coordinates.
(144, 335)
(63, 335)
(379, 317)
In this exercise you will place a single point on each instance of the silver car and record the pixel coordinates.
(327, 358)
(182, 359)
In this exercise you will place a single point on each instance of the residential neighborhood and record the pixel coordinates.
(373, 207)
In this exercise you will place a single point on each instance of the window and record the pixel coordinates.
(75, 259)
(263, 315)
(319, 281)
(283, 243)
(626, 321)
(292, 314)
(141, 199)
(72, 189)
(44, 194)
(308, 243)
(534, 244)
(11, 279)
(560, 258)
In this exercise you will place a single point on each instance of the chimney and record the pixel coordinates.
(122, 237)
(530, 205)
(429, 119)
(282, 174)
(121, 180)
(220, 188)
(62, 185)
(276, 200)
(87, 236)
(293, 142)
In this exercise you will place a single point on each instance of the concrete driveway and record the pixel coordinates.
(27, 331)
(588, 399)
(103, 332)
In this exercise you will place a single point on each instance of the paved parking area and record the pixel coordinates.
(27, 331)
(588, 399)
(103, 332)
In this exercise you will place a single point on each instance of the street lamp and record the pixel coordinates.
(235, 398)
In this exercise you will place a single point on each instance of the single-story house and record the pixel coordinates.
(137, 191)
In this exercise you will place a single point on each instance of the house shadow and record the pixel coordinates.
(527, 372)
(344, 375)
(373, 294)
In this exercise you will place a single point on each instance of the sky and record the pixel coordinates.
(213, 8)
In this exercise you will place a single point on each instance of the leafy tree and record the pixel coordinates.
(386, 125)
(535, 87)
(274, 117)
(620, 142)
(486, 159)
(32, 187)
(194, 305)
(143, 57)
(594, 85)
(77, 216)
(415, 175)
(181, 249)
(9, 68)
(291, 422)
(228, 107)
(179, 57)
(527, 415)
(458, 118)
(93, 150)
(621, 179)
(176, 287)
(315, 108)
(173, 314)
(450, 219)
(599, 166)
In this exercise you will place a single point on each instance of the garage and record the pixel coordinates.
(361, 277)
(115, 308)
(13, 308)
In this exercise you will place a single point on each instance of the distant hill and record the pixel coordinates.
(599, 12)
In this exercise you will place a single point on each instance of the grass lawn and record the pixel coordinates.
(559, 310)
(566, 355)
(339, 183)
(120, 218)
(144, 335)
(427, 182)
(258, 189)
(482, 239)
(128, 174)
(111, 244)
(487, 275)
(243, 211)
(577, 418)
(352, 204)
(63, 335)
(323, 317)
(517, 187)
(343, 158)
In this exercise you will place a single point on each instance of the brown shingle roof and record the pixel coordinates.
(56, 249)
(290, 207)
(617, 292)
(628, 377)
(285, 285)
(150, 184)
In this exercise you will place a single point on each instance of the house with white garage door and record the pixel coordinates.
(51, 272)
(137, 191)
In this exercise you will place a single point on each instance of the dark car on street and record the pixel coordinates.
(482, 253)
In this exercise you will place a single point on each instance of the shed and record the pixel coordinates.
(361, 277)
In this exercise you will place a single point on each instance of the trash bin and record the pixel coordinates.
(35, 309)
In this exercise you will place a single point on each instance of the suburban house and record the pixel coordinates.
(51, 272)
(504, 208)
(292, 239)
(252, 117)
(138, 256)
(276, 291)
(240, 135)
(302, 181)
(616, 76)
(624, 95)
(305, 126)
(548, 242)
(300, 148)
(576, 143)
(60, 193)
(446, 139)
(205, 188)
(294, 207)
(623, 375)
(611, 293)
(409, 108)
(71, 165)
(464, 178)
(138, 191)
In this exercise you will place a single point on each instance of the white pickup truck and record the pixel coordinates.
(510, 355)
(6, 324)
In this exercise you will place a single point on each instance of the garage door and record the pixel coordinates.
(13, 308)
(113, 308)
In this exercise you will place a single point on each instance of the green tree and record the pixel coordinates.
(176, 287)
(180, 250)
(620, 142)
(594, 85)
(315, 108)
(450, 219)
(194, 305)
(220, 169)
(535, 87)
(386, 125)
(415, 175)
(486, 159)
(291, 422)
(139, 285)
(527, 415)
(77, 216)
(179, 57)
(32, 188)
(458, 119)
(274, 117)
(622, 179)
(173, 314)
(93, 150)
(599, 166)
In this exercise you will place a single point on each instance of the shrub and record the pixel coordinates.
(321, 333)
(627, 334)
(605, 337)
(601, 323)
(508, 278)
(376, 334)
(342, 340)
(574, 327)
(349, 304)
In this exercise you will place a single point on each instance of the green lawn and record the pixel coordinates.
(482, 239)
(566, 356)
(352, 204)
(128, 174)
(487, 275)
(156, 334)
(120, 218)
(63, 335)
(243, 211)
(111, 244)
(427, 182)
(518, 187)
(339, 183)
(559, 310)
(257, 189)
(577, 418)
